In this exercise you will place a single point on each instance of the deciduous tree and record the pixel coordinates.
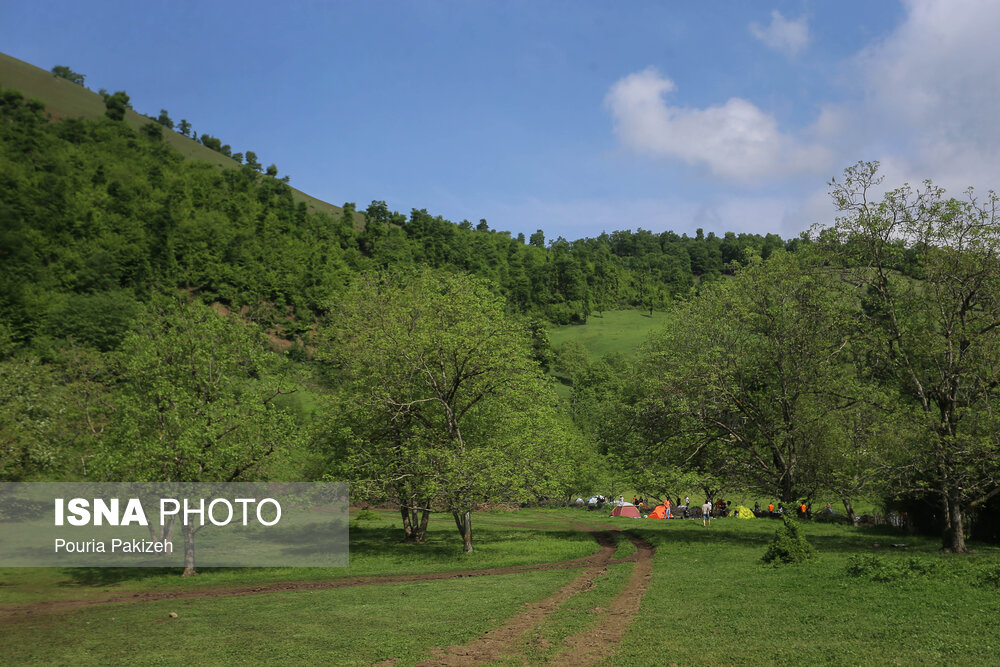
(935, 332)
(196, 404)
(447, 408)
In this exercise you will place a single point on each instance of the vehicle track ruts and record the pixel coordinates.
(585, 648)
(10, 612)
(503, 641)
(600, 641)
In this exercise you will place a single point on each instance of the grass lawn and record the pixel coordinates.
(350, 626)
(501, 539)
(710, 600)
(613, 331)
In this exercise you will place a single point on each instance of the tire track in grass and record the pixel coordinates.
(33, 609)
(598, 642)
(504, 640)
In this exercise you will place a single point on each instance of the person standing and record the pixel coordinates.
(706, 513)
(666, 509)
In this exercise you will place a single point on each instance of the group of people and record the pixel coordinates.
(804, 509)
(683, 509)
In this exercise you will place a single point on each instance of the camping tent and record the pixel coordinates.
(628, 509)
(658, 513)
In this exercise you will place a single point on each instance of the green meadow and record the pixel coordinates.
(620, 331)
(709, 600)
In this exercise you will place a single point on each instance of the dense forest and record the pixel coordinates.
(167, 319)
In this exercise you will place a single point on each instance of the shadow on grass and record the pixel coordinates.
(109, 576)
(758, 534)
(443, 545)
(498, 546)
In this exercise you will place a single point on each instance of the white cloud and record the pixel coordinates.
(735, 140)
(784, 36)
(933, 93)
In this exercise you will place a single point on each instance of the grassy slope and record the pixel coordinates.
(64, 99)
(614, 331)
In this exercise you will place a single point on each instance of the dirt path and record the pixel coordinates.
(8, 612)
(585, 648)
(592, 645)
(504, 640)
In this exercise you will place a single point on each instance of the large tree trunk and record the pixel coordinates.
(464, 523)
(421, 528)
(849, 508)
(407, 527)
(954, 534)
(414, 523)
(189, 570)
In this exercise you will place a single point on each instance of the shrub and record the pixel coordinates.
(788, 546)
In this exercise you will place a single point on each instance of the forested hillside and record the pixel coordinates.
(98, 217)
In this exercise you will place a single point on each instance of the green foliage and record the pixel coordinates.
(933, 332)
(196, 401)
(116, 105)
(98, 319)
(445, 407)
(164, 120)
(66, 73)
(571, 358)
(152, 131)
(30, 412)
(875, 568)
(788, 546)
(989, 576)
(744, 384)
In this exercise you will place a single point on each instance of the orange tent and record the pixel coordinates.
(658, 513)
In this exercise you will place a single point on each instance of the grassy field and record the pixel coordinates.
(614, 331)
(709, 600)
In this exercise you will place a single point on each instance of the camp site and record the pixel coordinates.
(499, 333)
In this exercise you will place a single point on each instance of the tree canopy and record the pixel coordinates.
(446, 406)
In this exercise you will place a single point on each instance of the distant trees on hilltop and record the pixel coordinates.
(64, 72)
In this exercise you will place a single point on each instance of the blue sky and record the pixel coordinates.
(573, 117)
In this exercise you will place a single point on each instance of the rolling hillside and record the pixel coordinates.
(64, 99)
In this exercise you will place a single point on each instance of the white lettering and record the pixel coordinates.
(78, 507)
(211, 513)
(134, 514)
(102, 512)
(163, 509)
(277, 510)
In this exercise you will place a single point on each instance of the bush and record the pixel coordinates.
(788, 546)
(366, 515)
